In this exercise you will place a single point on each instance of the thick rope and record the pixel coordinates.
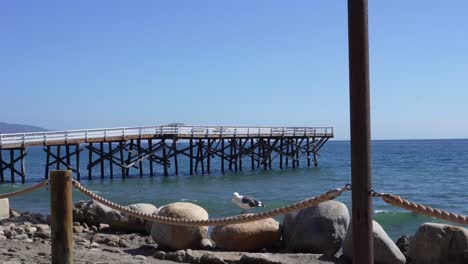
(332, 194)
(25, 190)
(421, 209)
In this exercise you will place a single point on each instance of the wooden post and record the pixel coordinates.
(61, 216)
(264, 157)
(359, 91)
(176, 163)
(166, 173)
(208, 156)
(314, 150)
(90, 161)
(200, 149)
(129, 157)
(140, 163)
(281, 153)
(47, 163)
(293, 159)
(240, 154)
(78, 170)
(150, 148)
(236, 158)
(222, 155)
(23, 166)
(308, 152)
(2, 176)
(12, 164)
(122, 159)
(269, 153)
(258, 151)
(67, 152)
(101, 154)
(230, 154)
(57, 165)
(298, 147)
(111, 159)
(191, 156)
(252, 152)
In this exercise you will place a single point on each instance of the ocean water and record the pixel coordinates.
(432, 172)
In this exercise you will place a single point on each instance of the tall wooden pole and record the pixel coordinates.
(90, 160)
(61, 216)
(359, 89)
(111, 159)
(150, 148)
(2, 176)
(101, 157)
(163, 141)
(78, 170)
(23, 165)
(176, 163)
(12, 162)
(252, 152)
(121, 154)
(191, 156)
(222, 155)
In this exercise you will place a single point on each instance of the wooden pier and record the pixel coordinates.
(124, 149)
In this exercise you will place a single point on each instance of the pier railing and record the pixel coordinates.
(125, 133)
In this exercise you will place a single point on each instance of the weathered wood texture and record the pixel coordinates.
(61, 218)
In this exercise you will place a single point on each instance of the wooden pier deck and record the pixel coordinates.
(128, 147)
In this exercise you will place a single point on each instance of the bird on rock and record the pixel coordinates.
(245, 202)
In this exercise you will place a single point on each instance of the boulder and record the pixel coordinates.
(94, 213)
(385, 250)
(247, 236)
(122, 222)
(210, 258)
(180, 237)
(319, 229)
(403, 244)
(439, 243)
(90, 212)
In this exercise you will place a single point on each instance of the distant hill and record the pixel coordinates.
(16, 128)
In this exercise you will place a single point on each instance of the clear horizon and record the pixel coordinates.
(115, 63)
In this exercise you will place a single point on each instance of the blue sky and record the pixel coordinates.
(85, 64)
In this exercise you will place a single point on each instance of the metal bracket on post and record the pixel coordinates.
(61, 217)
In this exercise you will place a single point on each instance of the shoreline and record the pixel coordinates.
(25, 238)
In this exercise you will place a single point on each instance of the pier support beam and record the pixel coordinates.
(191, 156)
(57, 159)
(4, 165)
(2, 176)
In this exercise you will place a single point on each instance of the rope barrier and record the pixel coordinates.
(330, 195)
(25, 190)
(421, 209)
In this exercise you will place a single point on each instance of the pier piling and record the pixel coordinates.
(139, 147)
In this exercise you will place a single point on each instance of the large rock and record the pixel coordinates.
(90, 212)
(123, 222)
(180, 237)
(439, 243)
(319, 229)
(248, 236)
(94, 213)
(385, 250)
